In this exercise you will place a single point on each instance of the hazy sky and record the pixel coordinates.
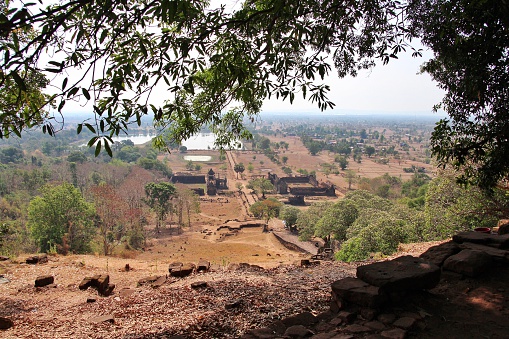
(397, 87)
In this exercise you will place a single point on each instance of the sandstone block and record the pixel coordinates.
(437, 254)
(183, 271)
(358, 292)
(495, 253)
(85, 283)
(203, 266)
(44, 280)
(468, 262)
(159, 282)
(401, 274)
(493, 240)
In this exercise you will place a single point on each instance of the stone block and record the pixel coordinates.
(401, 274)
(199, 284)
(203, 266)
(358, 292)
(493, 240)
(495, 253)
(85, 283)
(437, 254)
(183, 271)
(159, 282)
(44, 280)
(305, 319)
(468, 262)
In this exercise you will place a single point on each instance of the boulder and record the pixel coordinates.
(493, 240)
(44, 280)
(358, 292)
(437, 254)
(5, 323)
(182, 271)
(203, 266)
(468, 262)
(495, 253)
(401, 274)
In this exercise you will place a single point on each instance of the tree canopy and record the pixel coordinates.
(217, 66)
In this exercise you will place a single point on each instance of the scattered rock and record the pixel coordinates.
(159, 282)
(85, 283)
(233, 304)
(199, 284)
(5, 323)
(44, 280)
(147, 280)
(401, 274)
(182, 271)
(468, 262)
(358, 292)
(387, 318)
(305, 319)
(405, 323)
(356, 328)
(297, 331)
(37, 259)
(437, 254)
(375, 325)
(103, 318)
(203, 266)
(396, 333)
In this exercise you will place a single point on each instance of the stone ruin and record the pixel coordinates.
(301, 186)
(213, 182)
(378, 302)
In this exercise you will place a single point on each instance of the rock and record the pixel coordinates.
(85, 283)
(37, 259)
(328, 335)
(103, 318)
(437, 254)
(125, 292)
(147, 280)
(297, 331)
(368, 313)
(305, 319)
(358, 292)
(401, 274)
(375, 325)
(347, 317)
(262, 333)
(5, 323)
(203, 266)
(305, 262)
(468, 262)
(4, 280)
(91, 300)
(493, 240)
(175, 266)
(503, 226)
(233, 304)
(387, 318)
(356, 328)
(44, 280)
(183, 271)
(405, 323)
(107, 291)
(396, 333)
(495, 253)
(4, 258)
(101, 282)
(159, 282)
(199, 284)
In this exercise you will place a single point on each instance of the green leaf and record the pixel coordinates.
(64, 83)
(108, 149)
(90, 128)
(19, 81)
(85, 93)
(79, 128)
(98, 148)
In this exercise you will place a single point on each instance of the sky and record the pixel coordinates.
(397, 87)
